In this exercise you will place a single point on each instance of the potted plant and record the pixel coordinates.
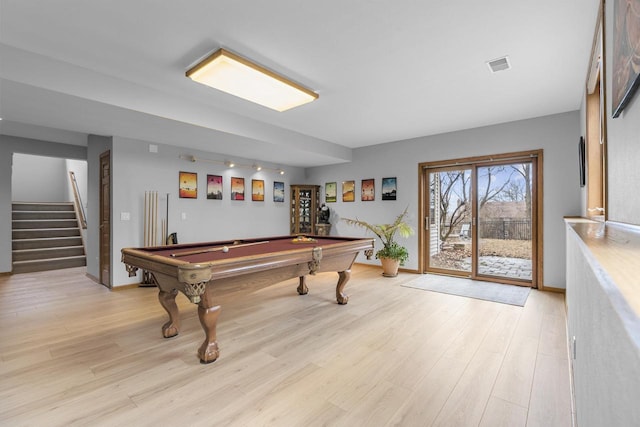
(392, 254)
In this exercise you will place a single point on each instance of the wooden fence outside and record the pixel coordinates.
(505, 229)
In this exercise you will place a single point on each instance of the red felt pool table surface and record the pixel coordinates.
(239, 248)
(195, 269)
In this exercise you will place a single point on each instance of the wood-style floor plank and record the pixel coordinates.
(74, 353)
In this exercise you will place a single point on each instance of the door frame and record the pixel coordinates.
(596, 126)
(537, 227)
(428, 219)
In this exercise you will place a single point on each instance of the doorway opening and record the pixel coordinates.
(105, 219)
(483, 218)
(48, 224)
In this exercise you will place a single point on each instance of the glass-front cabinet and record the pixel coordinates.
(304, 208)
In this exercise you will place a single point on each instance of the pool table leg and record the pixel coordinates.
(303, 289)
(208, 314)
(168, 302)
(342, 281)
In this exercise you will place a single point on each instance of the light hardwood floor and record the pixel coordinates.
(74, 353)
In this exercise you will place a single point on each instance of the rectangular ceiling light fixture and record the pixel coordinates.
(228, 72)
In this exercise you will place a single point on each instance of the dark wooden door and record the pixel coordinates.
(105, 219)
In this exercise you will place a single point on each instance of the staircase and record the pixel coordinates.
(45, 236)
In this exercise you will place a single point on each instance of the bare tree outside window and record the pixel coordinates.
(503, 196)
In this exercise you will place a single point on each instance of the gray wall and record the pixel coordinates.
(135, 170)
(39, 179)
(46, 179)
(557, 135)
(79, 169)
(8, 146)
(623, 146)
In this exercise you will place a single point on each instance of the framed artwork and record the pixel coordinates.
(188, 185)
(214, 187)
(626, 53)
(389, 188)
(368, 190)
(348, 191)
(237, 188)
(257, 190)
(331, 192)
(278, 191)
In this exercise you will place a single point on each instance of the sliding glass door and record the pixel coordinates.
(504, 201)
(449, 220)
(481, 218)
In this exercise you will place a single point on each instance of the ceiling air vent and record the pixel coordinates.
(499, 64)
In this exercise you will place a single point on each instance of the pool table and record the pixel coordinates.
(195, 269)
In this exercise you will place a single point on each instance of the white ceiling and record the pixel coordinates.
(385, 70)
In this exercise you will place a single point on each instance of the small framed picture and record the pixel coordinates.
(330, 192)
(368, 190)
(257, 190)
(626, 51)
(389, 188)
(214, 187)
(237, 188)
(188, 185)
(348, 191)
(278, 191)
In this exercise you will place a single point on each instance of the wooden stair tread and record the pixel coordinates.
(48, 239)
(55, 248)
(46, 260)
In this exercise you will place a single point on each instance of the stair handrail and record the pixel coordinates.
(78, 200)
